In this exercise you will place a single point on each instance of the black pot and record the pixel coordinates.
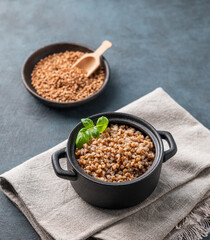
(115, 195)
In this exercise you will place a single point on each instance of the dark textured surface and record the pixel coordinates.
(155, 43)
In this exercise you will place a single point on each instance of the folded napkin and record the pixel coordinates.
(56, 211)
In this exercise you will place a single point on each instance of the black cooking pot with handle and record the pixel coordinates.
(115, 195)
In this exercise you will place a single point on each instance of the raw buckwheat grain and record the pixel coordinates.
(54, 78)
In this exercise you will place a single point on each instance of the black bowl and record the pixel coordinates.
(43, 52)
(115, 195)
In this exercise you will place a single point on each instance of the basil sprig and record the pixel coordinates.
(90, 130)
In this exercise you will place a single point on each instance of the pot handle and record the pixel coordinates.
(172, 145)
(70, 175)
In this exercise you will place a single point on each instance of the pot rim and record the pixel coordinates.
(147, 127)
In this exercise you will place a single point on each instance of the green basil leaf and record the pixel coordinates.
(88, 123)
(82, 130)
(83, 137)
(102, 124)
(85, 134)
(88, 135)
(100, 128)
(94, 132)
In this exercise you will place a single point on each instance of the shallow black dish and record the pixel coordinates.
(115, 195)
(43, 52)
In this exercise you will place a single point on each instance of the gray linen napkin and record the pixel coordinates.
(57, 212)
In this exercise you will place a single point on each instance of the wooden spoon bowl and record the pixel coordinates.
(45, 51)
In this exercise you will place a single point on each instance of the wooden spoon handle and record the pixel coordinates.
(104, 46)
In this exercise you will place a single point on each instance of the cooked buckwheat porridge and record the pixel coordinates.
(121, 153)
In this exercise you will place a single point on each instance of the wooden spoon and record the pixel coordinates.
(89, 62)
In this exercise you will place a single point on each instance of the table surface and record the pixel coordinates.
(156, 43)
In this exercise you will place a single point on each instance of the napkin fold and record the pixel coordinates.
(179, 206)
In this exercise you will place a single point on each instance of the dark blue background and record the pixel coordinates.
(155, 43)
